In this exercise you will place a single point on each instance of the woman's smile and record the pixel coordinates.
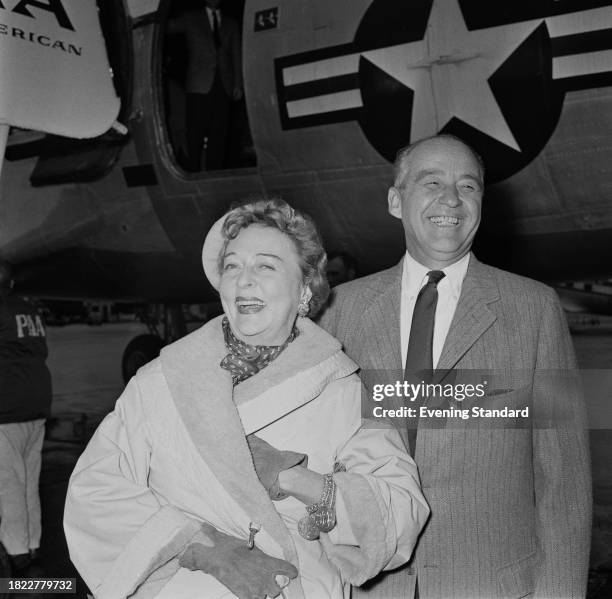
(249, 305)
(261, 285)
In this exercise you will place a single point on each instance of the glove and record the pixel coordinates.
(247, 573)
(269, 461)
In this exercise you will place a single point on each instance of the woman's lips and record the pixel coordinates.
(249, 305)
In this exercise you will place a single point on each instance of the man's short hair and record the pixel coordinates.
(403, 154)
(349, 262)
(6, 276)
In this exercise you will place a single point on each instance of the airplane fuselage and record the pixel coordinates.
(331, 96)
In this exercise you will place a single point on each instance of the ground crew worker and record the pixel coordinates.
(25, 400)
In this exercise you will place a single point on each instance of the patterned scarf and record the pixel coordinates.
(244, 360)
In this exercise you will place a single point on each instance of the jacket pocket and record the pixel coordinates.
(517, 579)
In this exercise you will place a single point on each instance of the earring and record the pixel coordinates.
(304, 307)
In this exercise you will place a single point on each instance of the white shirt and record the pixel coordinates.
(209, 12)
(414, 277)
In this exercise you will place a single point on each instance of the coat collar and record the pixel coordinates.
(203, 395)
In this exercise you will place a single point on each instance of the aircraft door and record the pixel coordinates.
(202, 91)
(66, 160)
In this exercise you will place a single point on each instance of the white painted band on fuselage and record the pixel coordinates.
(579, 22)
(321, 69)
(576, 65)
(327, 103)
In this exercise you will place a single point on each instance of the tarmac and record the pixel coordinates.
(85, 362)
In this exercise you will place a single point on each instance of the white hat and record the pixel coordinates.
(210, 252)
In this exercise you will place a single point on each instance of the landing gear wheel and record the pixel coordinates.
(139, 351)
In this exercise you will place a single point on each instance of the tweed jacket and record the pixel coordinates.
(510, 504)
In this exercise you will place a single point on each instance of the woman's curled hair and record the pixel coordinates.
(299, 227)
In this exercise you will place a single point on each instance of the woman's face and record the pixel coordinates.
(261, 285)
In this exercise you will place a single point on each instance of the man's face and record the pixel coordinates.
(338, 272)
(438, 200)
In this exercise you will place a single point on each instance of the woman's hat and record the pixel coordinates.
(210, 252)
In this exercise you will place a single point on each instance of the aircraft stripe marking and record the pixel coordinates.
(582, 43)
(325, 85)
(327, 103)
(559, 26)
(313, 71)
(577, 65)
(564, 30)
(582, 22)
(329, 85)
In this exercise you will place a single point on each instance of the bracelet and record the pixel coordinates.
(321, 516)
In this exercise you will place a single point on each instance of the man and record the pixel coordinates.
(341, 268)
(214, 79)
(510, 501)
(25, 399)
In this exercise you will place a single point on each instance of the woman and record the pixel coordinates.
(246, 433)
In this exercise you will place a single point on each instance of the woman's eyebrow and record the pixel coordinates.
(270, 256)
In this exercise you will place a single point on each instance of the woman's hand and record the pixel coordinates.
(247, 573)
(269, 461)
(303, 484)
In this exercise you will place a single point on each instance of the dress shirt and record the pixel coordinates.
(209, 12)
(414, 277)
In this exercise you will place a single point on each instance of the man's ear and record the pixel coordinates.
(394, 201)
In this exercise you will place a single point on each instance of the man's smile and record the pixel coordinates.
(445, 221)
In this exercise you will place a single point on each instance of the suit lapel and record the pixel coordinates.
(202, 16)
(472, 316)
(383, 316)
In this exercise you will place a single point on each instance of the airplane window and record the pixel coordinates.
(203, 93)
(66, 160)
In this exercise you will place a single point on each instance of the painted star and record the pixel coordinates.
(448, 70)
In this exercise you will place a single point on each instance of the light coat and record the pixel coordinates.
(174, 454)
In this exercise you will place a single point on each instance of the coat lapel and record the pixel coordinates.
(307, 365)
(383, 316)
(202, 394)
(202, 24)
(472, 316)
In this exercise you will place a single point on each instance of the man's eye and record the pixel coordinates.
(469, 187)
(229, 266)
(266, 267)
(432, 184)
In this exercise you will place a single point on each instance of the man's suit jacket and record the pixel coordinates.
(510, 505)
(204, 58)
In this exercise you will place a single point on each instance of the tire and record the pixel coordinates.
(139, 351)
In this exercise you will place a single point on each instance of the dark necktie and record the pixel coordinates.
(215, 31)
(419, 358)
